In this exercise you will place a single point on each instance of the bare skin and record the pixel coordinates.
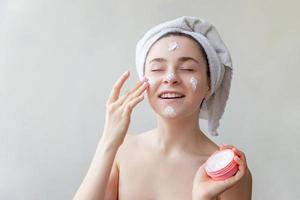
(148, 172)
(166, 162)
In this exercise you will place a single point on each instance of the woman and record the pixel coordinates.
(185, 70)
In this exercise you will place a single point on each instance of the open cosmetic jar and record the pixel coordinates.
(221, 165)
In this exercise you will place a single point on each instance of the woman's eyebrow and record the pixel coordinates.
(158, 60)
(181, 59)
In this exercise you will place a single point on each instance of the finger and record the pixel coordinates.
(140, 90)
(201, 174)
(137, 93)
(122, 98)
(138, 85)
(114, 95)
(225, 146)
(235, 150)
(238, 152)
(234, 179)
(241, 163)
(242, 167)
(129, 107)
(240, 173)
(242, 157)
(228, 145)
(238, 160)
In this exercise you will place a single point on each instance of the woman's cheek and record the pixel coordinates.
(152, 81)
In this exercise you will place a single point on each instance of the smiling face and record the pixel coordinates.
(177, 73)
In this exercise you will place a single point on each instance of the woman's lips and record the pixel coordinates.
(171, 100)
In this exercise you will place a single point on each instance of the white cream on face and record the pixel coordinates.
(151, 81)
(194, 83)
(170, 111)
(170, 77)
(173, 46)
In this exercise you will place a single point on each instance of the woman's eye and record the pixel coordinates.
(188, 70)
(155, 70)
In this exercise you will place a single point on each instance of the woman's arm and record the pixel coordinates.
(95, 182)
(112, 188)
(117, 119)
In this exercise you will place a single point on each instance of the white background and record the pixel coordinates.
(59, 60)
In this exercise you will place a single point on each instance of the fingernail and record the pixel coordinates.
(144, 79)
(145, 83)
(237, 158)
(126, 73)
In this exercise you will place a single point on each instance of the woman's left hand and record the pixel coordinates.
(205, 188)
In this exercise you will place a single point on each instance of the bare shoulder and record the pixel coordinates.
(131, 143)
(242, 190)
(209, 146)
(129, 140)
(134, 139)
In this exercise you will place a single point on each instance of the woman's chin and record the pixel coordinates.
(171, 112)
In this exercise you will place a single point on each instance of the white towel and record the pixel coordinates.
(219, 60)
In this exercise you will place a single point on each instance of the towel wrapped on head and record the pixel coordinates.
(218, 56)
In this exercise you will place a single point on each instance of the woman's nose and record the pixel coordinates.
(171, 78)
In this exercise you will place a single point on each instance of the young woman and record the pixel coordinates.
(166, 162)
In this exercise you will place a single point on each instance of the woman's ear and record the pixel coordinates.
(207, 93)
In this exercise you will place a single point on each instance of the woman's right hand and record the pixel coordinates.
(119, 109)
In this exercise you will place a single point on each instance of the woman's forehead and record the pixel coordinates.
(171, 47)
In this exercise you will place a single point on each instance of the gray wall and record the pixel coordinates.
(59, 59)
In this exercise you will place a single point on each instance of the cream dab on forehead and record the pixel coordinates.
(194, 83)
(173, 46)
(170, 111)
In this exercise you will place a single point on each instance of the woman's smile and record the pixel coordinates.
(174, 100)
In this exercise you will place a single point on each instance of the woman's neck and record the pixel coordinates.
(175, 135)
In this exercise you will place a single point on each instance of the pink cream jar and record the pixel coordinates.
(221, 165)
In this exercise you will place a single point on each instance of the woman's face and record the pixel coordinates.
(177, 75)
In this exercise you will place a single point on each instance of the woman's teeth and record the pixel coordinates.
(171, 96)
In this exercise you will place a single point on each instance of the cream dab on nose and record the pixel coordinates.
(170, 77)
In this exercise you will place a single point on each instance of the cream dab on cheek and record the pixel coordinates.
(194, 83)
(170, 111)
(173, 46)
(151, 81)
